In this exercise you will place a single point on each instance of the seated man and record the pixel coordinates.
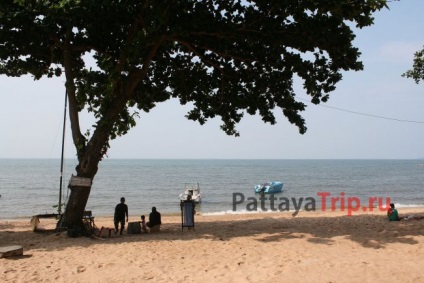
(154, 220)
(392, 213)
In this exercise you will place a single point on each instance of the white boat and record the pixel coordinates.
(193, 190)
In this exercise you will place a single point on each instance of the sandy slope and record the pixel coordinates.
(312, 247)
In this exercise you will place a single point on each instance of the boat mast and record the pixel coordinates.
(59, 209)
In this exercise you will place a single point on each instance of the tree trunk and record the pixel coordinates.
(80, 191)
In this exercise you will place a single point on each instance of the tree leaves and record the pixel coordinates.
(417, 71)
(226, 58)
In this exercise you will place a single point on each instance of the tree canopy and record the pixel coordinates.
(226, 58)
(417, 71)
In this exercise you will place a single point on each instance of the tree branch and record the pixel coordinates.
(138, 75)
(77, 137)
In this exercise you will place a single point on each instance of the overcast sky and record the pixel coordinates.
(32, 112)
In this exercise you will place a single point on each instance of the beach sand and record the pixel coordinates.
(262, 247)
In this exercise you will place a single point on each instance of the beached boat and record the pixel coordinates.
(269, 187)
(193, 190)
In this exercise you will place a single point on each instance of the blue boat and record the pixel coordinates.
(269, 188)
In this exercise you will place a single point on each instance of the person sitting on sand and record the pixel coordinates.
(392, 213)
(154, 219)
(143, 224)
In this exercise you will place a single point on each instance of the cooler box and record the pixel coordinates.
(134, 228)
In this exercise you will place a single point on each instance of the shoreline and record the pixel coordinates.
(338, 212)
(173, 218)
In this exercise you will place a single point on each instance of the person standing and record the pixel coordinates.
(121, 210)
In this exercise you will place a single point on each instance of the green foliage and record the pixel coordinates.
(417, 71)
(226, 57)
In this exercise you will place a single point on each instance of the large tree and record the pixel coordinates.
(226, 58)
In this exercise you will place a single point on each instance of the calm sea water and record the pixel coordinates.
(31, 186)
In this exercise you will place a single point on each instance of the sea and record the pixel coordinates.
(32, 186)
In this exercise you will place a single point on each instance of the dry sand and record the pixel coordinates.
(263, 247)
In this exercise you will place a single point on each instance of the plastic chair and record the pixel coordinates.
(88, 221)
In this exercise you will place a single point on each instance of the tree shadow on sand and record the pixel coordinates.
(370, 231)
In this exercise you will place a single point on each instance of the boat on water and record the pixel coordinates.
(269, 187)
(193, 190)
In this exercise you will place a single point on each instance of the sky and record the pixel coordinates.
(365, 118)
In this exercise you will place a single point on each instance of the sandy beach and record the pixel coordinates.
(263, 247)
